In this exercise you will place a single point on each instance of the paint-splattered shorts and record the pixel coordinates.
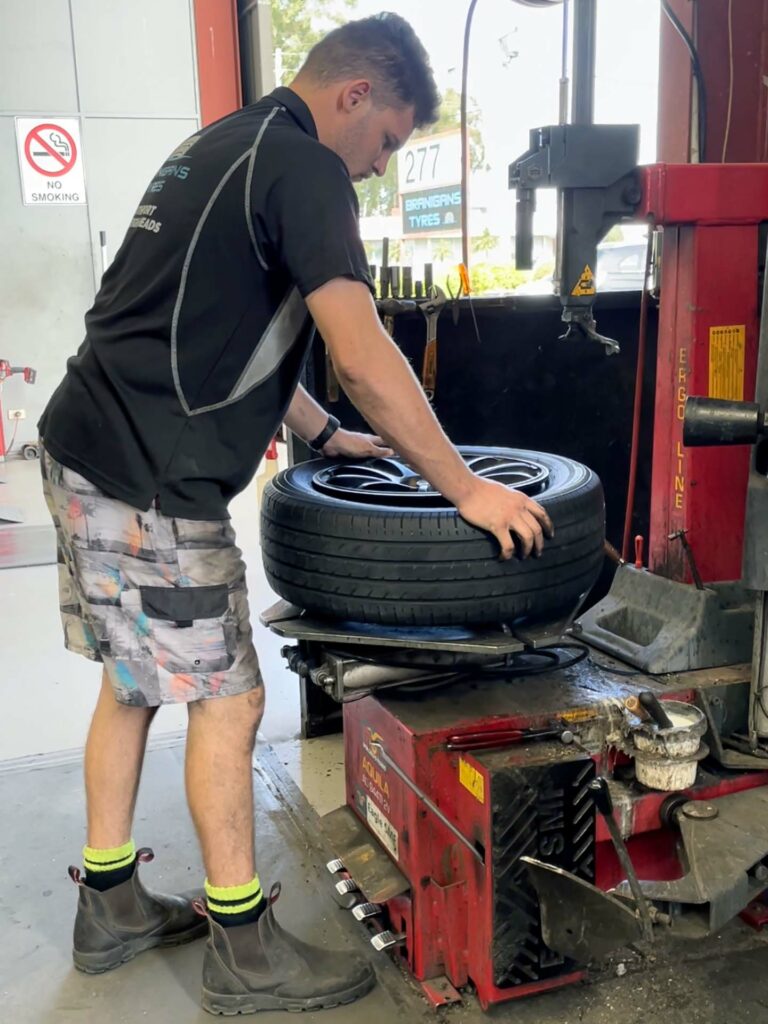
(162, 602)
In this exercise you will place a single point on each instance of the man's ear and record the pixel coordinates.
(355, 95)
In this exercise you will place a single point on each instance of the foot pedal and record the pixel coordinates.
(386, 940)
(335, 866)
(346, 886)
(365, 910)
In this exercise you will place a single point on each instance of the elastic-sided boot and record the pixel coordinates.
(260, 966)
(111, 927)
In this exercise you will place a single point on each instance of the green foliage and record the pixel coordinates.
(543, 270)
(485, 242)
(493, 277)
(298, 24)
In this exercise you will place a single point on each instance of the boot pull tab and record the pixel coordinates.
(75, 875)
(145, 855)
(200, 906)
(274, 893)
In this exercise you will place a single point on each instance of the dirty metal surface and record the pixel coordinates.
(362, 856)
(573, 694)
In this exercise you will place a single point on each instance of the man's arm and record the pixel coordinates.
(379, 381)
(307, 418)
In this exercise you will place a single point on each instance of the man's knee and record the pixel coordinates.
(237, 716)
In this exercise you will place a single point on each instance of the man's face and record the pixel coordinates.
(370, 135)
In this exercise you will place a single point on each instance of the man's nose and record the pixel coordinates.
(380, 165)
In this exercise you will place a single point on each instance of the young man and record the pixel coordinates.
(246, 238)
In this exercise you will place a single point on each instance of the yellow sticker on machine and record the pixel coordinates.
(472, 779)
(586, 283)
(727, 346)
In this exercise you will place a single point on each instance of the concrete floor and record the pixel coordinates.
(48, 695)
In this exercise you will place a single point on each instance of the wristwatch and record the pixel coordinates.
(325, 435)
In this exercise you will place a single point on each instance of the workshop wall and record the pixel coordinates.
(128, 72)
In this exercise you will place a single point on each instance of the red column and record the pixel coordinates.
(218, 58)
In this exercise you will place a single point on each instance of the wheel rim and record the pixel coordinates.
(392, 482)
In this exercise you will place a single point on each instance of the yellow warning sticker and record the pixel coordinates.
(727, 346)
(586, 283)
(471, 779)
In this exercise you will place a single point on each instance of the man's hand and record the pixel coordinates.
(348, 445)
(503, 512)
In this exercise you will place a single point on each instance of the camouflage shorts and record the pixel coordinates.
(162, 602)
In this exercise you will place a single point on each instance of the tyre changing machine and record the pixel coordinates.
(499, 834)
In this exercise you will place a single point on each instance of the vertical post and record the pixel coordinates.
(256, 45)
(584, 36)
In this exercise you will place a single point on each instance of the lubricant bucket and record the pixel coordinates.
(667, 759)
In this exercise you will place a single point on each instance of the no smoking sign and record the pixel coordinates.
(50, 161)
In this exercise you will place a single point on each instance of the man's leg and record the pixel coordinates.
(117, 917)
(114, 753)
(219, 779)
(251, 963)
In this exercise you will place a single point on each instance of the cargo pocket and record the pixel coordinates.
(191, 629)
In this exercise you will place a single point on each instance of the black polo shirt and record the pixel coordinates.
(198, 335)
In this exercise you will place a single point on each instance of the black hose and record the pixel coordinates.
(698, 74)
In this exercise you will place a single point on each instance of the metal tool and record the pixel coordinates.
(604, 804)
(407, 282)
(390, 308)
(653, 706)
(381, 753)
(495, 739)
(384, 269)
(681, 536)
(431, 309)
(394, 282)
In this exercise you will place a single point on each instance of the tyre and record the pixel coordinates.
(371, 542)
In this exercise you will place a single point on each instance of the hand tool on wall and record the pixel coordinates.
(431, 308)
(384, 269)
(390, 308)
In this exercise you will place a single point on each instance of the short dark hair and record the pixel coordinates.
(385, 49)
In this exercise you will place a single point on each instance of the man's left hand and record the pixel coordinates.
(346, 444)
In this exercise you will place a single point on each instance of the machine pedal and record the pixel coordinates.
(346, 886)
(386, 940)
(365, 910)
(335, 866)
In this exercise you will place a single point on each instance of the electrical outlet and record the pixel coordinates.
(17, 414)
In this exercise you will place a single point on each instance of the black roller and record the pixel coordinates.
(717, 421)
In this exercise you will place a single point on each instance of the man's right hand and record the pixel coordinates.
(504, 513)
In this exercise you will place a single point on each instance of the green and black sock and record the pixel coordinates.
(104, 869)
(235, 904)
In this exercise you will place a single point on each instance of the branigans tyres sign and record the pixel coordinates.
(50, 161)
(434, 209)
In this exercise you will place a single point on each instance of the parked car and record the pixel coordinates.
(620, 267)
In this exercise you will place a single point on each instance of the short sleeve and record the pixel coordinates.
(311, 221)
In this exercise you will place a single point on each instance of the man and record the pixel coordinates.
(246, 238)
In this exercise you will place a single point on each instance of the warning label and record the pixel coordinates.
(727, 346)
(586, 283)
(50, 161)
(471, 779)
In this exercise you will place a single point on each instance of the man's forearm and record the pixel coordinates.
(305, 417)
(385, 390)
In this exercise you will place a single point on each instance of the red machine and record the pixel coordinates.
(707, 345)
(6, 371)
(469, 914)
(483, 798)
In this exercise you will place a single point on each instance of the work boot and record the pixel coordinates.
(260, 966)
(111, 927)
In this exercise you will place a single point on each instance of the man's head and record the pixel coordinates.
(368, 84)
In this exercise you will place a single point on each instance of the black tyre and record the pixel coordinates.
(372, 542)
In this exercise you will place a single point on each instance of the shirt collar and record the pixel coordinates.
(297, 108)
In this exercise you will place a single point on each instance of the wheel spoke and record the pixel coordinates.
(391, 481)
